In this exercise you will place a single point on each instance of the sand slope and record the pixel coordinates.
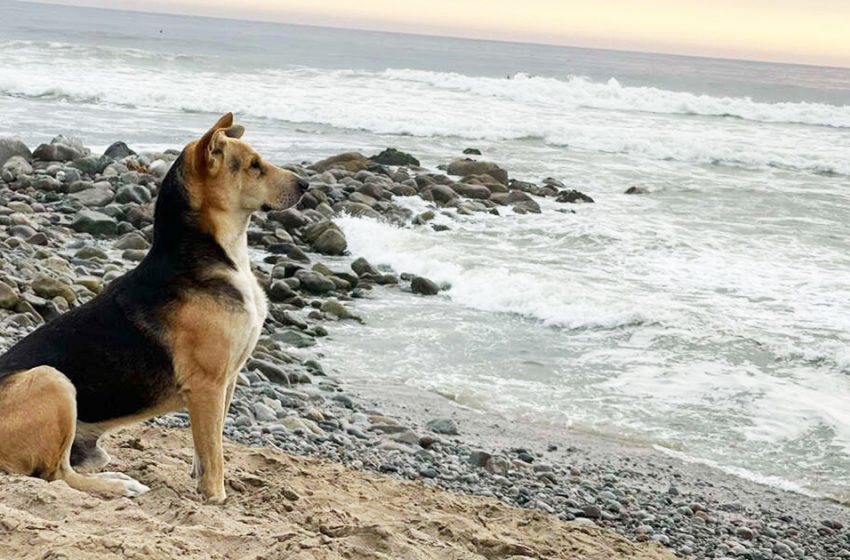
(279, 507)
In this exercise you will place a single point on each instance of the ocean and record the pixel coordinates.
(709, 318)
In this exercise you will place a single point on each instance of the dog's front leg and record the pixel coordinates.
(206, 412)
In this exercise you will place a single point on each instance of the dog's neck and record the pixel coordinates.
(231, 233)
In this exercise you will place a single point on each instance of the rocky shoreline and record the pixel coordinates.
(71, 221)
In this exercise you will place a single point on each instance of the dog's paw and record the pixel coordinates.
(132, 487)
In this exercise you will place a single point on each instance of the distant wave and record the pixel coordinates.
(575, 114)
(578, 92)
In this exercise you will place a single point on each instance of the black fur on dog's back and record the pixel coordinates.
(114, 348)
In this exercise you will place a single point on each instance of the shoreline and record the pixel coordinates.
(71, 221)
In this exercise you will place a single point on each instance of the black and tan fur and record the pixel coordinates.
(171, 334)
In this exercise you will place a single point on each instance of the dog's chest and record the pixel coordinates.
(248, 327)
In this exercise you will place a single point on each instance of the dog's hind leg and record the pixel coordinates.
(38, 417)
(86, 452)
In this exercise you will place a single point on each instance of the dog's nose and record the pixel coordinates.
(303, 184)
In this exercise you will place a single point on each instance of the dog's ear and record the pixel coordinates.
(208, 150)
(235, 131)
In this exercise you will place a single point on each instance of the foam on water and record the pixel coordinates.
(575, 113)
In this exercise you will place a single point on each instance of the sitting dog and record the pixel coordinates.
(171, 334)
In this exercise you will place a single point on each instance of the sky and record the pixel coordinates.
(801, 31)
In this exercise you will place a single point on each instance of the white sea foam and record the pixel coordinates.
(574, 113)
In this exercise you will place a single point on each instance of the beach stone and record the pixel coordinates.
(636, 190)
(89, 252)
(349, 161)
(315, 283)
(361, 266)
(264, 412)
(47, 183)
(280, 291)
(442, 193)
(290, 218)
(465, 167)
(16, 167)
(132, 240)
(423, 286)
(479, 192)
(91, 165)
(479, 459)
(392, 156)
(445, 426)
(95, 223)
(472, 151)
(294, 338)
(11, 147)
(335, 308)
(98, 196)
(56, 152)
(8, 297)
(572, 196)
(48, 287)
(522, 203)
(331, 242)
(133, 193)
(118, 151)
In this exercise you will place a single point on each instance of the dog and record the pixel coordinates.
(171, 334)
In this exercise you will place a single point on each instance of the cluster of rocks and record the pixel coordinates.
(71, 221)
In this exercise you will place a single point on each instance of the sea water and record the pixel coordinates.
(709, 318)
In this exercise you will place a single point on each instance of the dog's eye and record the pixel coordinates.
(255, 164)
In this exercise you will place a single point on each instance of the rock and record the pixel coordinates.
(133, 240)
(361, 266)
(479, 459)
(745, 533)
(472, 151)
(331, 242)
(445, 426)
(572, 196)
(8, 297)
(48, 287)
(290, 218)
(264, 412)
(391, 156)
(592, 512)
(350, 161)
(294, 338)
(56, 152)
(280, 291)
(480, 192)
(133, 193)
(98, 196)
(274, 373)
(315, 283)
(522, 203)
(636, 190)
(118, 151)
(464, 167)
(335, 308)
(16, 167)
(91, 165)
(89, 252)
(442, 193)
(11, 147)
(95, 223)
(423, 286)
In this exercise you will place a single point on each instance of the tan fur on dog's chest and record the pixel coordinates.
(213, 340)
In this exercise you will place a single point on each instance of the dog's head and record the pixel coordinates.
(227, 175)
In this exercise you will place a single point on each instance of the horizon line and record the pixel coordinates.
(72, 4)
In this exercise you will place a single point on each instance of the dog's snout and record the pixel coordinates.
(303, 184)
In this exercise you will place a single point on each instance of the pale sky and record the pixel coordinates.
(805, 31)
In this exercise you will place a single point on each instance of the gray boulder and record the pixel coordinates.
(118, 151)
(16, 167)
(464, 167)
(95, 223)
(391, 156)
(10, 147)
(314, 283)
(99, 195)
(423, 286)
(331, 242)
(572, 196)
(133, 193)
